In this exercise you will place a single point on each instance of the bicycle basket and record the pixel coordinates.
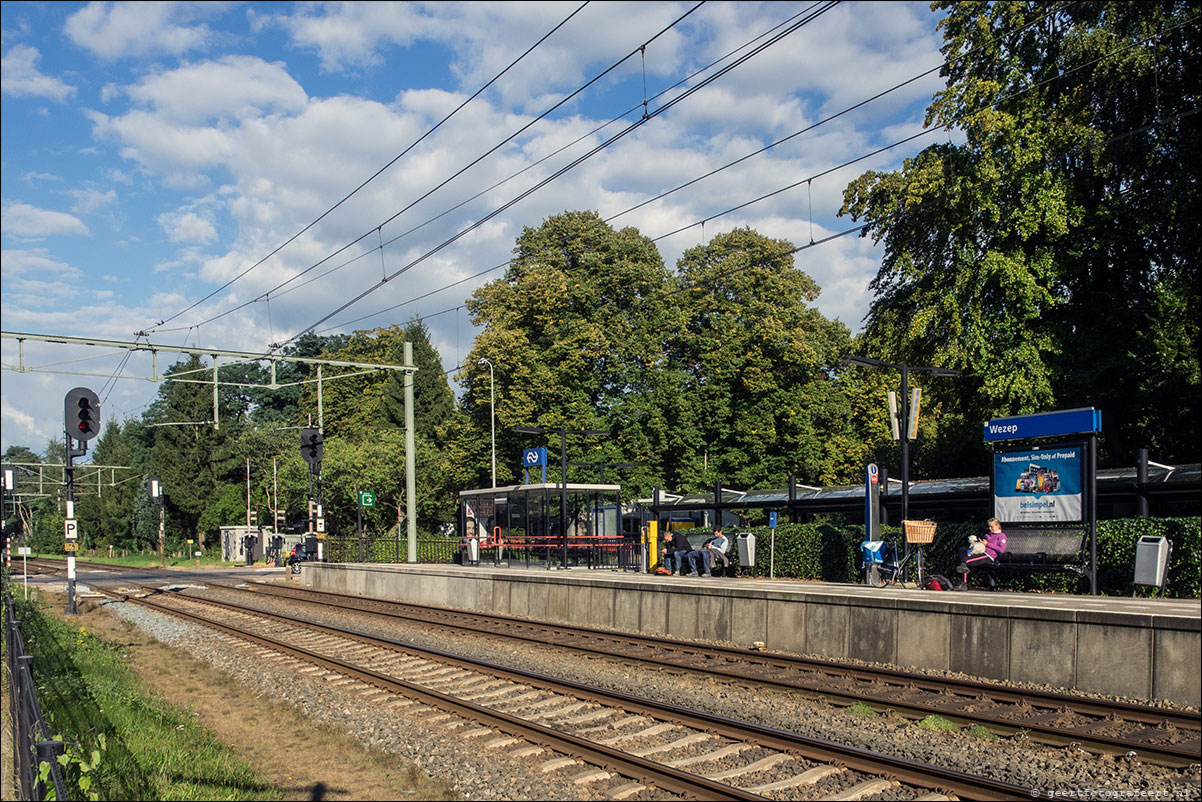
(873, 552)
(919, 531)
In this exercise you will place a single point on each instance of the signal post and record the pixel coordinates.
(311, 452)
(81, 418)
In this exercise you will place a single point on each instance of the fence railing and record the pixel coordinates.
(31, 740)
(368, 549)
(616, 553)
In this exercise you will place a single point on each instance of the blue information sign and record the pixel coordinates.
(534, 457)
(772, 520)
(1044, 424)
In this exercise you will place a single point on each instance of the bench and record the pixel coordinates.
(721, 562)
(1040, 550)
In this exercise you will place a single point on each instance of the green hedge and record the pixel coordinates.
(831, 553)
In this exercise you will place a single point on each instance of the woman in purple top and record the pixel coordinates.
(995, 544)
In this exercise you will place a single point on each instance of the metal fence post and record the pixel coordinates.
(48, 752)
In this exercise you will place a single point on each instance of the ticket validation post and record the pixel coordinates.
(154, 487)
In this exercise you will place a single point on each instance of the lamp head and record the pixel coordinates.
(852, 359)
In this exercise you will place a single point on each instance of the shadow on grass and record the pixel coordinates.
(75, 705)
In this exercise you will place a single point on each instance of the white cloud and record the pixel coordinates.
(34, 177)
(19, 426)
(91, 200)
(118, 176)
(230, 88)
(126, 30)
(184, 225)
(348, 34)
(484, 38)
(22, 221)
(17, 262)
(33, 278)
(21, 77)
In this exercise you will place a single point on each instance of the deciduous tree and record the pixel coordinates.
(1053, 255)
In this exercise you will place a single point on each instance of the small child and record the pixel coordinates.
(981, 552)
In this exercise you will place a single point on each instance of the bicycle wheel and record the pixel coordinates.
(878, 576)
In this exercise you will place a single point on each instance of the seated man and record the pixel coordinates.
(715, 550)
(677, 548)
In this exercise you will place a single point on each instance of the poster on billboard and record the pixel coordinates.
(1039, 485)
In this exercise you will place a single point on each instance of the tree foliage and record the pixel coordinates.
(1053, 255)
(1049, 251)
(718, 372)
(756, 356)
(575, 329)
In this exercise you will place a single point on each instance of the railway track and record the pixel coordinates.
(621, 735)
(1154, 734)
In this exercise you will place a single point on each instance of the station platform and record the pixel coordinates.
(1136, 648)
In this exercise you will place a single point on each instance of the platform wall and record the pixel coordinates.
(1140, 656)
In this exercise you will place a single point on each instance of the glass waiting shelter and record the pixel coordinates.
(551, 525)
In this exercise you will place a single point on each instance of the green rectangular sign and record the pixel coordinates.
(367, 498)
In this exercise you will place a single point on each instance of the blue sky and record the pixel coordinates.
(151, 152)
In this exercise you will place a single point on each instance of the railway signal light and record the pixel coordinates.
(81, 410)
(311, 446)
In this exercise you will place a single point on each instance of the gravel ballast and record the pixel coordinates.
(479, 773)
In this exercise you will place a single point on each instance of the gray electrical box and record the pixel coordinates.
(746, 542)
(1151, 561)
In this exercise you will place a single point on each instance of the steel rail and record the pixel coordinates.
(1048, 702)
(1043, 700)
(641, 769)
(964, 785)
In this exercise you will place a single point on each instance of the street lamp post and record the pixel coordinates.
(903, 412)
(492, 411)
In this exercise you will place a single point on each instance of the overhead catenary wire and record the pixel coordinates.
(665, 107)
(284, 287)
(845, 164)
(662, 195)
(736, 268)
(715, 215)
(376, 174)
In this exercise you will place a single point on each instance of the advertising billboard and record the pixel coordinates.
(1043, 485)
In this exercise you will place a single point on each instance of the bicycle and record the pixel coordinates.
(882, 565)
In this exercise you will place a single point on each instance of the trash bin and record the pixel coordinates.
(1151, 561)
(473, 549)
(746, 541)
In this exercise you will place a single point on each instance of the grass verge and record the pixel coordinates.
(209, 559)
(142, 747)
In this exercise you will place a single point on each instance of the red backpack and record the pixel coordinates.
(937, 583)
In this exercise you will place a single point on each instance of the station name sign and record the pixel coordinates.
(1044, 424)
